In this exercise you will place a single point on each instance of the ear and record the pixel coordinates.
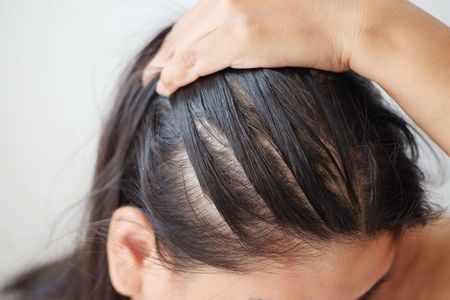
(130, 241)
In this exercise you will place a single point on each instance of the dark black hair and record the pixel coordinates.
(243, 166)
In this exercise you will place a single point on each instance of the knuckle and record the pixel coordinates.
(238, 18)
(188, 58)
(176, 71)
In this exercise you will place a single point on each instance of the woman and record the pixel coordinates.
(284, 183)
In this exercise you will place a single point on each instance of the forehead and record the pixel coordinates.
(342, 271)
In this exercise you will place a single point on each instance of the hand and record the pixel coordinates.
(216, 34)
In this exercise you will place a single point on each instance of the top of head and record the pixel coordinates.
(245, 164)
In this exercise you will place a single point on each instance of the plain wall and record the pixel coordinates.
(59, 63)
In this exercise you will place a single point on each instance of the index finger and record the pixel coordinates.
(208, 55)
(182, 29)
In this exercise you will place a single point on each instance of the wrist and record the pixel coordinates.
(373, 41)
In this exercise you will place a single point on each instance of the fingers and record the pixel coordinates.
(184, 32)
(206, 56)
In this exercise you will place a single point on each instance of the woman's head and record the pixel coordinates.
(262, 170)
(284, 183)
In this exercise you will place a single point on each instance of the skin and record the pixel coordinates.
(392, 42)
(341, 272)
(415, 267)
(421, 269)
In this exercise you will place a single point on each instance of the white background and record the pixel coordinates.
(59, 62)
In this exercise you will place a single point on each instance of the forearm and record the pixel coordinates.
(407, 52)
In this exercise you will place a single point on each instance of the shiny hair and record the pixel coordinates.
(242, 166)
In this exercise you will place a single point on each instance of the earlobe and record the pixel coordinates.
(130, 241)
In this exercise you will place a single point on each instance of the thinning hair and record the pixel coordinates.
(244, 166)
